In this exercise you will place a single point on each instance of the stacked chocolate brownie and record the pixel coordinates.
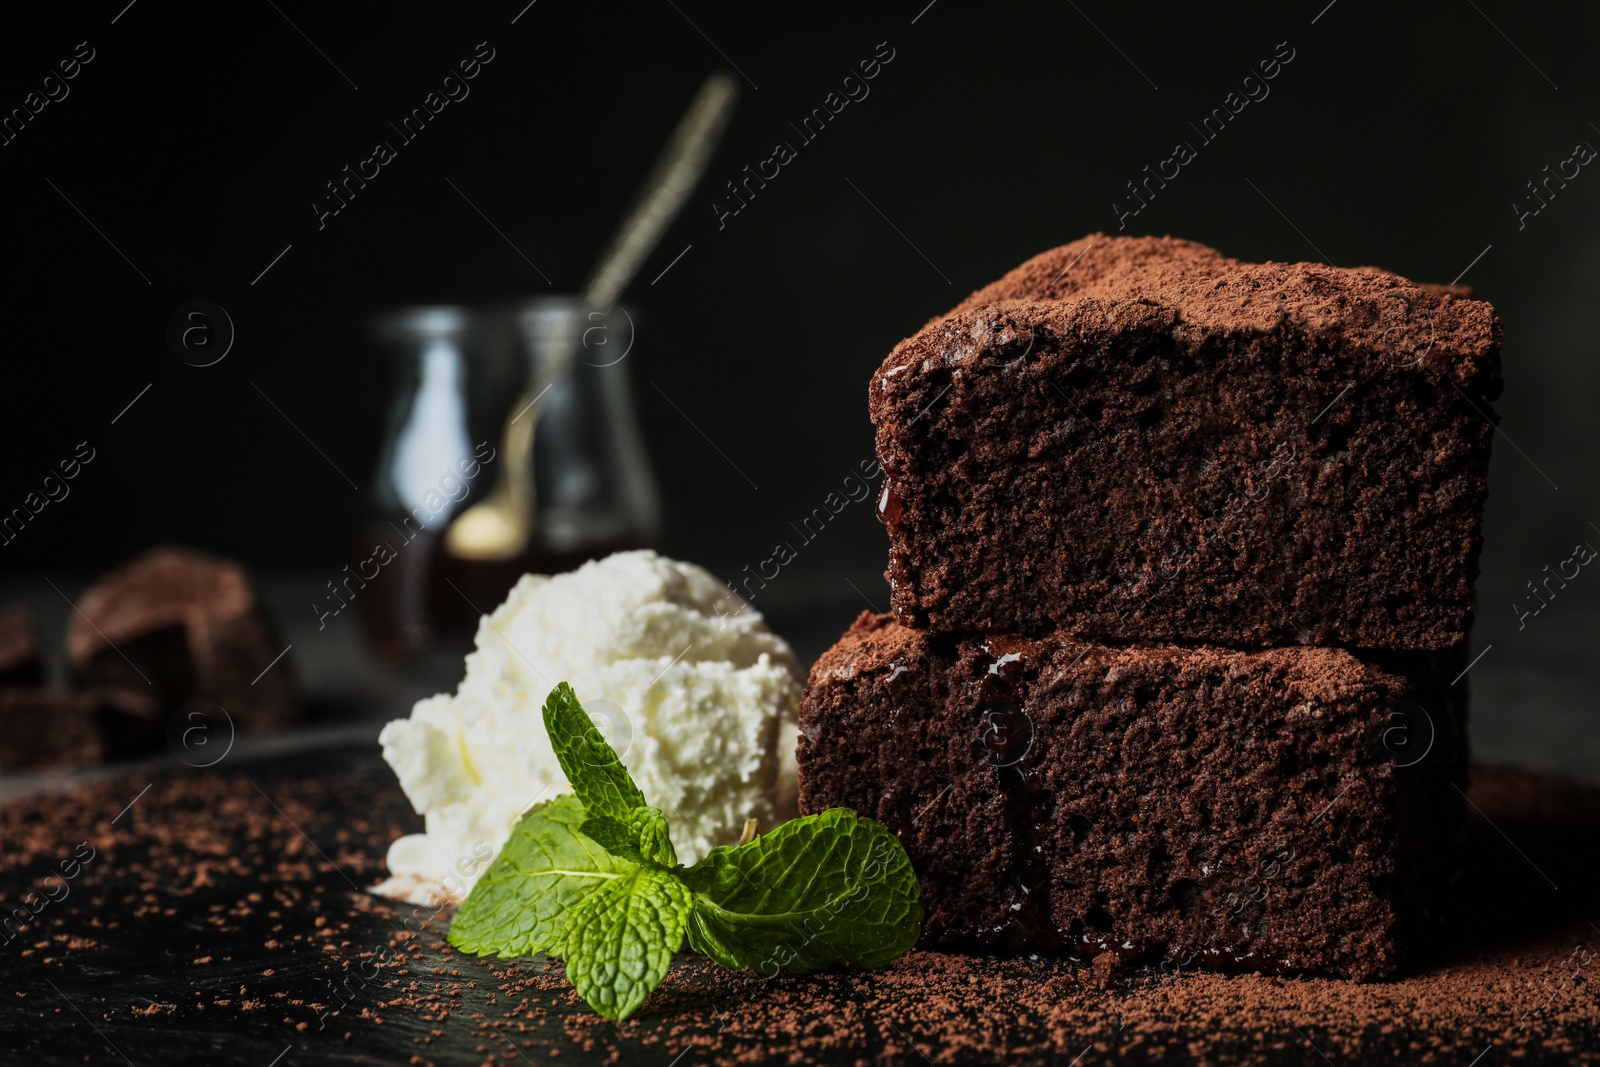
(1182, 552)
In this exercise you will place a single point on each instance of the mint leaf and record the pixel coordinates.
(546, 867)
(654, 841)
(614, 836)
(620, 939)
(594, 878)
(641, 836)
(824, 889)
(589, 762)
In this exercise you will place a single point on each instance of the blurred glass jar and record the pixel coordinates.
(577, 484)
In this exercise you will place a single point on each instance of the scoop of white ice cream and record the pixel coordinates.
(683, 678)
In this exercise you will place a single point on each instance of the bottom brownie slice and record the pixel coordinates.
(1282, 810)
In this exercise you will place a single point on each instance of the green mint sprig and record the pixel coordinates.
(593, 878)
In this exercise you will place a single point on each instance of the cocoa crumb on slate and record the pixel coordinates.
(1519, 973)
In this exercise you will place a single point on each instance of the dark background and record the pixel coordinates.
(1399, 136)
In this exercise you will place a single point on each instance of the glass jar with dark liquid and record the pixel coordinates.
(549, 379)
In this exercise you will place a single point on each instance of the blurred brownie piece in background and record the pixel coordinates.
(176, 627)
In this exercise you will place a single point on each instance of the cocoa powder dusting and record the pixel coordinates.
(226, 910)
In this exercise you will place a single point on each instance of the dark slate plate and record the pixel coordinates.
(219, 916)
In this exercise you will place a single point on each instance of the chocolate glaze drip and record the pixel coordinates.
(1004, 738)
(890, 505)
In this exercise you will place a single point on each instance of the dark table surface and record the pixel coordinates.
(220, 916)
(224, 912)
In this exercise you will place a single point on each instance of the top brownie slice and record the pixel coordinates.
(1140, 439)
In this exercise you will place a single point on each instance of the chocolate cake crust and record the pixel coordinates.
(1174, 805)
(1139, 439)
